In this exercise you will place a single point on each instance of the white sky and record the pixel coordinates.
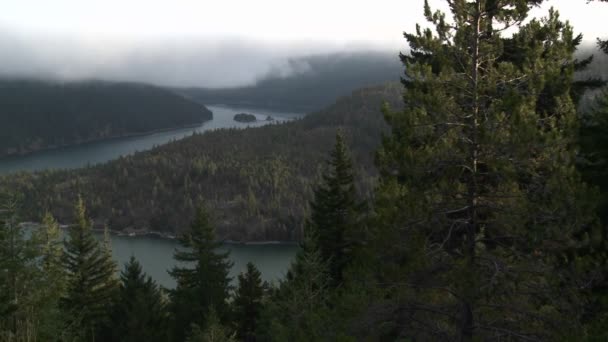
(193, 39)
(324, 20)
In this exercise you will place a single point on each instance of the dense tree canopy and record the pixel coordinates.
(38, 115)
(479, 198)
(201, 276)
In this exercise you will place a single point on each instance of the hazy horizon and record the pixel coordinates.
(220, 44)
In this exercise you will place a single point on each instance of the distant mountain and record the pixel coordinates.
(36, 115)
(257, 182)
(311, 83)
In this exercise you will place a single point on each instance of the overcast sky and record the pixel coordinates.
(209, 43)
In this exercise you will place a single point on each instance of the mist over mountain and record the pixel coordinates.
(307, 83)
(216, 62)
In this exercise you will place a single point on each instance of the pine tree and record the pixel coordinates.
(248, 302)
(298, 311)
(91, 281)
(51, 283)
(12, 264)
(19, 275)
(334, 212)
(593, 162)
(140, 312)
(203, 282)
(479, 202)
(214, 330)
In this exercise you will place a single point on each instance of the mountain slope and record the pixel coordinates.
(314, 83)
(36, 115)
(257, 181)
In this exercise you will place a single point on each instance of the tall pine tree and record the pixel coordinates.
(91, 281)
(248, 303)
(334, 216)
(479, 201)
(20, 276)
(202, 277)
(51, 282)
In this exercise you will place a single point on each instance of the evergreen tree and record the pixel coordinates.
(479, 203)
(12, 265)
(203, 281)
(593, 163)
(140, 313)
(298, 311)
(19, 275)
(91, 281)
(248, 302)
(334, 212)
(51, 283)
(214, 330)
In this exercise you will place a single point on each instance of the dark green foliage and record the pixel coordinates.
(202, 282)
(31, 277)
(140, 312)
(299, 311)
(258, 182)
(214, 330)
(37, 114)
(244, 117)
(594, 167)
(17, 266)
(334, 220)
(91, 279)
(479, 205)
(248, 303)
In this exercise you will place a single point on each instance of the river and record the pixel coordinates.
(155, 254)
(101, 151)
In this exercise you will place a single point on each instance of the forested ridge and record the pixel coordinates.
(256, 181)
(487, 219)
(36, 114)
(313, 83)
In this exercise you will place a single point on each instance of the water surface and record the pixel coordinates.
(102, 151)
(155, 254)
(156, 257)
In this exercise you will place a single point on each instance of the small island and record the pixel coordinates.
(244, 117)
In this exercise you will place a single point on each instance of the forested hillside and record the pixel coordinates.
(314, 82)
(257, 181)
(487, 219)
(36, 114)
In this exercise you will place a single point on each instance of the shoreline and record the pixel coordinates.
(168, 236)
(161, 235)
(96, 140)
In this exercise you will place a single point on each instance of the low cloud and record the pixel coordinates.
(213, 62)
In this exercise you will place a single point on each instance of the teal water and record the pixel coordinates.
(101, 151)
(155, 254)
(156, 257)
